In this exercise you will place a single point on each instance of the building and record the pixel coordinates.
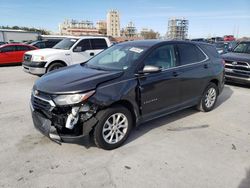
(177, 28)
(113, 24)
(102, 27)
(129, 31)
(11, 35)
(77, 28)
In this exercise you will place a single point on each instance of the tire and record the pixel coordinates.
(54, 66)
(209, 98)
(108, 134)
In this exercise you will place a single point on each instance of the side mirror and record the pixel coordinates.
(150, 69)
(78, 49)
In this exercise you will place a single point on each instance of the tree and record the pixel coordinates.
(41, 31)
(149, 34)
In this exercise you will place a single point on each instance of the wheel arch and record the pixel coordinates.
(127, 104)
(56, 61)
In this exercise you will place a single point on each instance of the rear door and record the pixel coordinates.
(195, 71)
(160, 91)
(7, 55)
(98, 45)
(84, 54)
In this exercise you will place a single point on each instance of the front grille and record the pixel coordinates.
(27, 57)
(238, 67)
(39, 104)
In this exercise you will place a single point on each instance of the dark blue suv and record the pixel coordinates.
(124, 86)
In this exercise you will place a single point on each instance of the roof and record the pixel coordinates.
(15, 44)
(153, 42)
(84, 37)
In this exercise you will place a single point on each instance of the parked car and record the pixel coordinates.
(69, 51)
(229, 38)
(124, 86)
(225, 46)
(199, 40)
(221, 47)
(237, 63)
(45, 43)
(1, 43)
(13, 53)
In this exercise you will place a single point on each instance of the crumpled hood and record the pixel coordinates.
(232, 56)
(46, 52)
(74, 79)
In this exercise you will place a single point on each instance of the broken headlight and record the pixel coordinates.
(72, 98)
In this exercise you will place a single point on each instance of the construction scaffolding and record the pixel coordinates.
(177, 28)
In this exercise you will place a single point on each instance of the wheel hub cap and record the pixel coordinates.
(210, 97)
(115, 128)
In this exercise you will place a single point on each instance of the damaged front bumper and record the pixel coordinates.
(47, 127)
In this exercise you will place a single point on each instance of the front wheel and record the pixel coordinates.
(54, 66)
(209, 98)
(113, 128)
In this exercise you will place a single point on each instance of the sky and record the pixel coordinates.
(207, 18)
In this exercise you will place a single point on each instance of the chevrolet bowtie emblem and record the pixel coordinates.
(234, 63)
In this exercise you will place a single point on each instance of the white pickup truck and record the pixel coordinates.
(69, 51)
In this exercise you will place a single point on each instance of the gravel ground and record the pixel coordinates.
(185, 149)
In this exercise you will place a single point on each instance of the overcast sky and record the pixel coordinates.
(206, 18)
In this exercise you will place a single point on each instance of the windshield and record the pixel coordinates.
(65, 44)
(243, 47)
(117, 57)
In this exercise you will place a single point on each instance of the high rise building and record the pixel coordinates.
(113, 24)
(77, 28)
(177, 28)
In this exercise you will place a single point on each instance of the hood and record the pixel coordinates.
(232, 56)
(74, 79)
(46, 52)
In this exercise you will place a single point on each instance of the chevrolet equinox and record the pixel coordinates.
(124, 86)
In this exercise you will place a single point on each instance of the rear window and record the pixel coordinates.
(210, 49)
(189, 53)
(98, 43)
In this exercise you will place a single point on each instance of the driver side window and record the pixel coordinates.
(163, 56)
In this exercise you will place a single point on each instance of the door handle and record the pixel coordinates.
(92, 54)
(175, 74)
(205, 66)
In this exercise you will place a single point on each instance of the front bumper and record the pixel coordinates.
(45, 126)
(234, 76)
(34, 70)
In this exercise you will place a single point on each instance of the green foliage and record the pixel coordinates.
(41, 31)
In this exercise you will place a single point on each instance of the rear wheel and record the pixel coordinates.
(113, 128)
(54, 66)
(209, 98)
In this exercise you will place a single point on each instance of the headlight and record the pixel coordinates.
(72, 99)
(38, 58)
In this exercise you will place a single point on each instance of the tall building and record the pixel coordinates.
(77, 28)
(113, 24)
(102, 27)
(177, 28)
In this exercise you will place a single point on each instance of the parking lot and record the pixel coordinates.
(185, 149)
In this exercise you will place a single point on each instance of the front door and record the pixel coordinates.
(82, 52)
(160, 91)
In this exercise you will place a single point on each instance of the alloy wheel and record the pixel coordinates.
(115, 128)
